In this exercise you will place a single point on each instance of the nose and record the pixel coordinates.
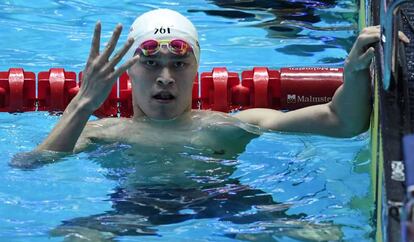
(165, 78)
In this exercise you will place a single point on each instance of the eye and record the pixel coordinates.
(150, 63)
(179, 64)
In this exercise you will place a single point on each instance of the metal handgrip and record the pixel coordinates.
(386, 37)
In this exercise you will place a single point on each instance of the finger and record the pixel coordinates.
(366, 39)
(96, 39)
(120, 54)
(371, 28)
(125, 66)
(403, 37)
(366, 58)
(111, 44)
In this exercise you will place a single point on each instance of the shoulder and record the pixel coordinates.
(97, 128)
(101, 129)
(259, 116)
(227, 125)
(212, 119)
(105, 121)
(214, 116)
(225, 132)
(109, 122)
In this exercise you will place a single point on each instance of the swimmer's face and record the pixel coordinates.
(162, 83)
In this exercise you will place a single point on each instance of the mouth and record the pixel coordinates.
(164, 97)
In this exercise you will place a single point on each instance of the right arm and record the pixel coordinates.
(98, 78)
(66, 133)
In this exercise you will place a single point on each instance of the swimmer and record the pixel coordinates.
(162, 58)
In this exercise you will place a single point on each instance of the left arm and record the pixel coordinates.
(347, 115)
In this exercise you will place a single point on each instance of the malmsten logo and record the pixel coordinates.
(292, 98)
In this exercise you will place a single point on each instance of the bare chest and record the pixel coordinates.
(174, 139)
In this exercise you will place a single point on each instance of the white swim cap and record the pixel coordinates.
(163, 24)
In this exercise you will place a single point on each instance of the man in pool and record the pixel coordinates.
(163, 55)
(162, 58)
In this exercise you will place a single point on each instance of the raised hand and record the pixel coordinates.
(100, 74)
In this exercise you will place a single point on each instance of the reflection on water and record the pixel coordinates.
(303, 11)
(159, 188)
(310, 20)
(172, 168)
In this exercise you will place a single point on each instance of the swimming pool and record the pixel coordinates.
(312, 180)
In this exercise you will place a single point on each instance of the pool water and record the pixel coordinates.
(284, 187)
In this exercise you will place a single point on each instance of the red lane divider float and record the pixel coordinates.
(56, 88)
(220, 90)
(216, 89)
(263, 86)
(125, 96)
(301, 87)
(17, 91)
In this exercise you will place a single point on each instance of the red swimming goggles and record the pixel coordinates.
(175, 46)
